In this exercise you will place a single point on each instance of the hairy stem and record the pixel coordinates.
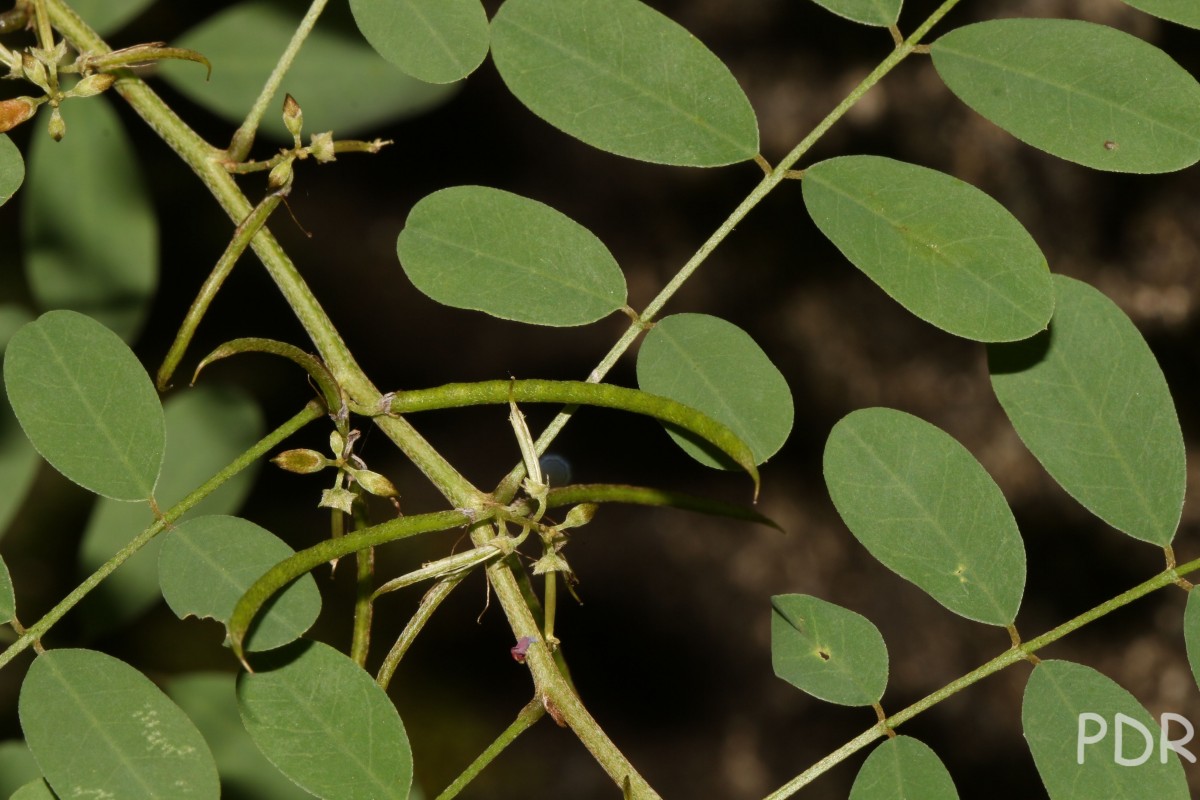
(524, 721)
(1006, 659)
(429, 603)
(36, 631)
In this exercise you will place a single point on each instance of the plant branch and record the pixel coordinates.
(35, 632)
(429, 603)
(524, 721)
(1006, 659)
(239, 148)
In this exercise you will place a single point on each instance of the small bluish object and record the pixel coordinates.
(555, 469)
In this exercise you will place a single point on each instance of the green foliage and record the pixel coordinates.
(923, 506)
(210, 700)
(438, 41)
(100, 728)
(940, 247)
(828, 651)
(1077, 90)
(1091, 403)
(1057, 694)
(869, 12)
(208, 563)
(339, 81)
(17, 766)
(509, 256)
(1191, 633)
(903, 767)
(107, 16)
(18, 459)
(206, 428)
(87, 405)
(714, 366)
(1185, 12)
(34, 790)
(295, 706)
(100, 258)
(12, 169)
(625, 79)
(8, 603)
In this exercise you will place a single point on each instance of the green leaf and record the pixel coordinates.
(99, 728)
(207, 428)
(12, 169)
(210, 699)
(508, 256)
(34, 790)
(208, 563)
(296, 706)
(18, 460)
(1091, 403)
(903, 767)
(1191, 632)
(869, 12)
(1057, 694)
(827, 651)
(8, 602)
(17, 766)
(923, 506)
(940, 247)
(107, 16)
(1081, 91)
(1184, 12)
(87, 404)
(91, 238)
(621, 77)
(340, 82)
(715, 367)
(438, 41)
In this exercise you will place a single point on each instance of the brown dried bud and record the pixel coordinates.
(293, 117)
(301, 461)
(15, 111)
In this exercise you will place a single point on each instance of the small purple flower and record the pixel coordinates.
(522, 646)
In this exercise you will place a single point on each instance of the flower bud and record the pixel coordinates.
(301, 461)
(280, 177)
(375, 483)
(35, 72)
(57, 127)
(293, 117)
(92, 85)
(15, 111)
(579, 515)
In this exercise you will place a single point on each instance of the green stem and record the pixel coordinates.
(364, 593)
(242, 235)
(36, 631)
(429, 603)
(1006, 659)
(524, 721)
(511, 483)
(239, 148)
(207, 163)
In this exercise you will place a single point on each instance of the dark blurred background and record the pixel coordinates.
(670, 648)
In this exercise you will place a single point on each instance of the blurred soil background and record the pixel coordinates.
(670, 648)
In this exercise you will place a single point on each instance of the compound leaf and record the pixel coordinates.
(207, 428)
(207, 564)
(339, 81)
(1191, 632)
(506, 255)
(210, 699)
(623, 78)
(1065, 706)
(1081, 91)
(903, 767)
(881, 13)
(1090, 402)
(18, 459)
(922, 505)
(1184, 12)
(295, 706)
(437, 41)
(86, 403)
(940, 247)
(99, 728)
(106, 16)
(827, 651)
(12, 169)
(715, 367)
(91, 237)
